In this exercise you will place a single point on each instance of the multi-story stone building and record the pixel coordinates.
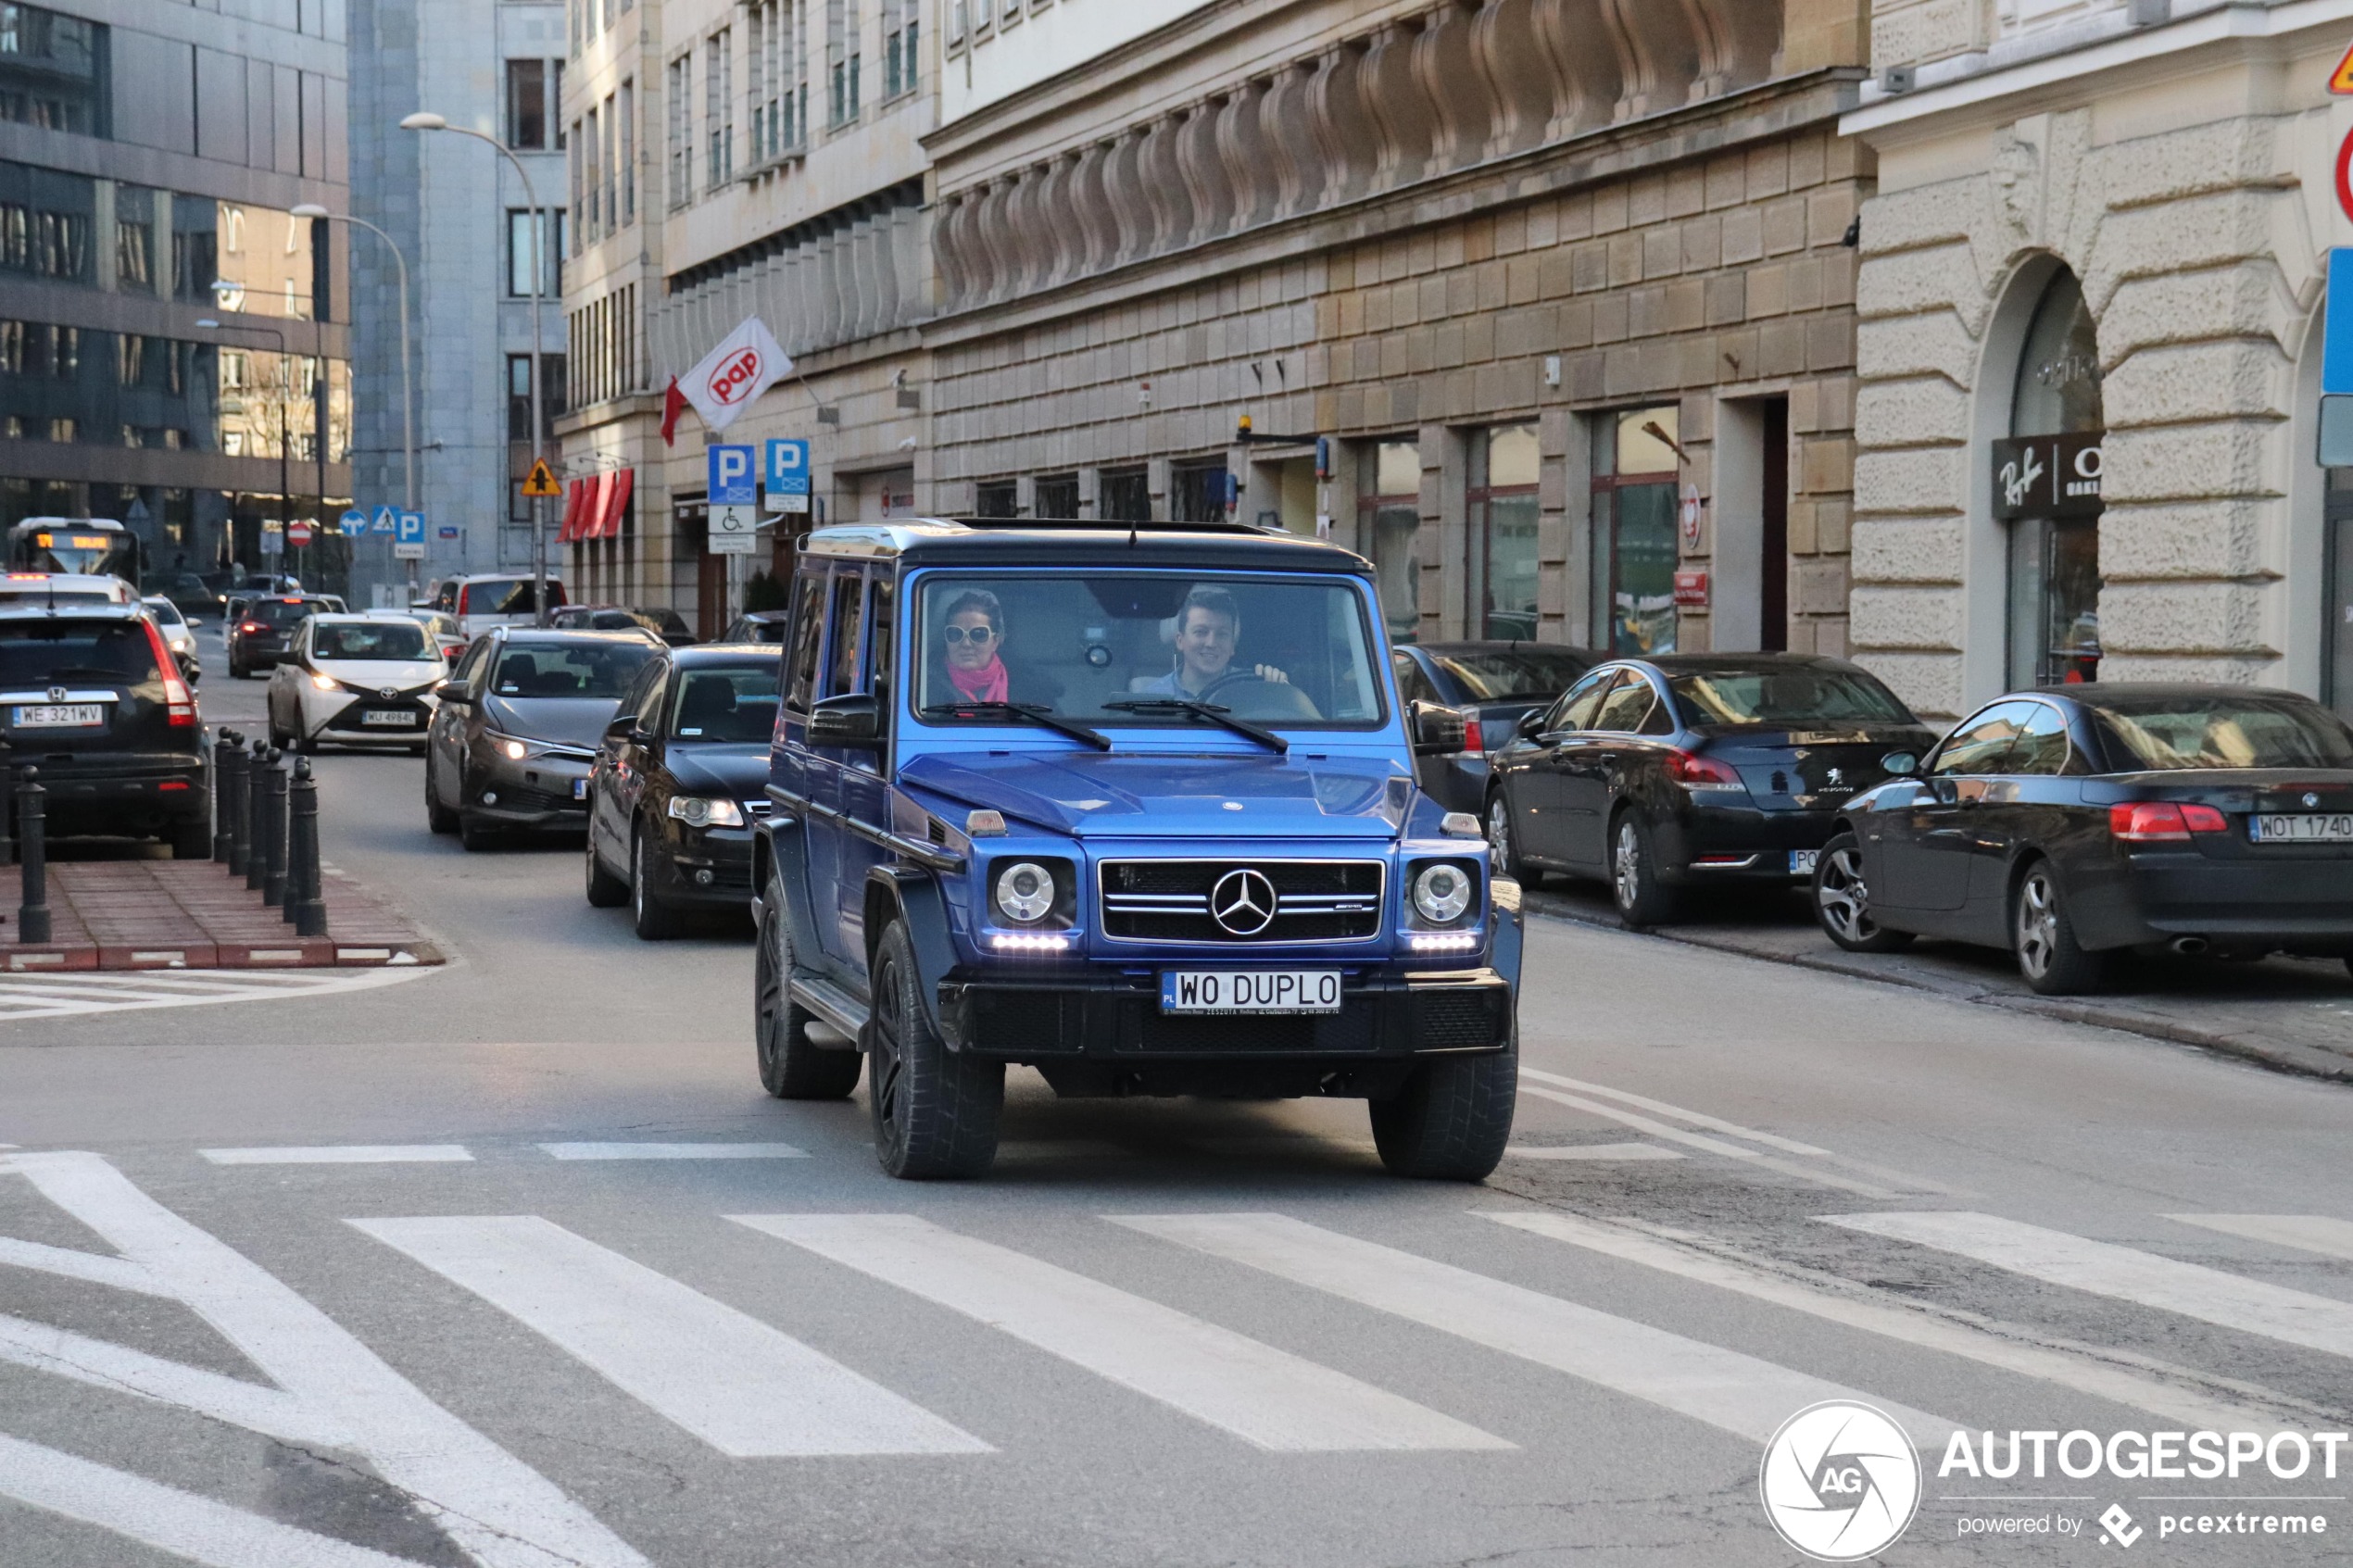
(173, 350)
(495, 67)
(731, 160)
(2091, 290)
(1565, 287)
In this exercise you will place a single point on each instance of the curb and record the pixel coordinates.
(2303, 1060)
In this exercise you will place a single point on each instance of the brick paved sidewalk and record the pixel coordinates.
(192, 915)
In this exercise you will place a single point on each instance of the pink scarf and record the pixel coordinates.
(987, 684)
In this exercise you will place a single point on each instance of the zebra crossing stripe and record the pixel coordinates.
(2294, 1317)
(1264, 1396)
(2323, 1234)
(673, 1151)
(739, 1385)
(181, 1524)
(1724, 1389)
(344, 1154)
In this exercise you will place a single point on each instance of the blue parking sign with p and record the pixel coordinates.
(788, 467)
(734, 481)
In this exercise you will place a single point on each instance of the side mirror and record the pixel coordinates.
(1439, 731)
(853, 719)
(623, 728)
(1900, 764)
(1532, 723)
(454, 692)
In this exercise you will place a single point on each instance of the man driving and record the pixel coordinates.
(1208, 625)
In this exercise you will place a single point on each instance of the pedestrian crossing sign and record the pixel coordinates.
(542, 480)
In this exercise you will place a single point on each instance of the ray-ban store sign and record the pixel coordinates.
(2047, 476)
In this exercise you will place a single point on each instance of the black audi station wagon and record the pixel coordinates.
(1133, 807)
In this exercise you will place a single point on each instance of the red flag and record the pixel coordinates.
(673, 403)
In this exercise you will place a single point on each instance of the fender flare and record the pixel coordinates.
(778, 841)
(1506, 930)
(912, 897)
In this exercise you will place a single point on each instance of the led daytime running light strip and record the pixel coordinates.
(1447, 942)
(1007, 943)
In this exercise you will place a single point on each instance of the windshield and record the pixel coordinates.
(1538, 675)
(1787, 696)
(380, 639)
(506, 595)
(38, 653)
(2226, 732)
(729, 705)
(1285, 652)
(602, 669)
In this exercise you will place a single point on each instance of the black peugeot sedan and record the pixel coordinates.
(91, 696)
(518, 724)
(1494, 685)
(1691, 771)
(678, 782)
(2071, 824)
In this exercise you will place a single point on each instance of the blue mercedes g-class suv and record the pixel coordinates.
(1135, 808)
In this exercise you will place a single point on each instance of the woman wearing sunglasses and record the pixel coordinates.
(974, 638)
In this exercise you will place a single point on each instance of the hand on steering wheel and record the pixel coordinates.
(1264, 674)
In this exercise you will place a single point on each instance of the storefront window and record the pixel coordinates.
(2046, 487)
(1634, 469)
(1502, 531)
(1388, 525)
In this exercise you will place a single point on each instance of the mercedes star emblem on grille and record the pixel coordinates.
(1242, 902)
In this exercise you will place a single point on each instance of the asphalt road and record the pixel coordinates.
(474, 1322)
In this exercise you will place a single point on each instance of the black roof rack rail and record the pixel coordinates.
(1119, 525)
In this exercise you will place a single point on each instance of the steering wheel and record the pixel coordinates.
(1231, 678)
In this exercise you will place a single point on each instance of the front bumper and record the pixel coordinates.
(536, 792)
(711, 867)
(338, 718)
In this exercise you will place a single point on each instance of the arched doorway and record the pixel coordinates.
(2047, 494)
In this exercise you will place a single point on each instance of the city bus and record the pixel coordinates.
(96, 546)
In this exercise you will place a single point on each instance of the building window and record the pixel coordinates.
(519, 253)
(1055, 496)
(1503, 514)
(53, 71)
(518, 396)
(1199, 492)
(1123, 496)
(2046, 488)
(779, 88)
(1634, 471)
(902, 32)
(1389, 527)
(528, 110)
(842, 62)
(606, 159)
(680, 152)
(589, 184)
(719, 109)
(628, 152)
(996, 498)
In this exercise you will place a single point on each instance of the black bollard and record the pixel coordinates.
(33, 844)
(256, 821)
(306, 908)
(224, 831)
(274, 870)
(7, 807)
(232, 811)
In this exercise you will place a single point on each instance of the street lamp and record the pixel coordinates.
(407, 425)
(425, 119)
(285, 444)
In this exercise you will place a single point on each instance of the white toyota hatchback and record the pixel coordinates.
(355, 680)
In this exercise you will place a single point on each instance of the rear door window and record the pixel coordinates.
(807, 637)
(850, 603)
(1413, 683)
(1583, 700)
(1629, 705)
(1984, 744)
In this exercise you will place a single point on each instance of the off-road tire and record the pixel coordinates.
(790, 1066)
(936, 1111)
(1451, 1121)
(1843, 901)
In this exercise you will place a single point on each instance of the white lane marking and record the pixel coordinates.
(498, 1509)
(170, 1520)
(1590, 1151)
(1835, 1301)
(122, 1370)
(2324, 1234)
(739, 1385)
(74, 994)
(2125, 1273)
(1724, 1389)
(1262, 1395)
(91, 1266)
(674, 1151)
(1704, 1144)
(344, 1154)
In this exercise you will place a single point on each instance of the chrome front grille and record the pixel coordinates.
(1172, 901)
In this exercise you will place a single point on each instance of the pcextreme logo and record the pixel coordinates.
(1840, 1481)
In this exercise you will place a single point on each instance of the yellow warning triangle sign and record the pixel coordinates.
(2341, 78)
(542, 480)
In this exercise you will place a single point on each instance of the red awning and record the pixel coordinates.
(592, 509)
(574, 494)
(616, 503)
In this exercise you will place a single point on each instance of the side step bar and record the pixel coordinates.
(835, 1005)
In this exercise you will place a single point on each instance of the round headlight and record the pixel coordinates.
(1441, 893)
(1025, 893)
(693, 811)
(516, 751)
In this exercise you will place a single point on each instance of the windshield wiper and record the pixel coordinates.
(1033, 712)
(1216, 713)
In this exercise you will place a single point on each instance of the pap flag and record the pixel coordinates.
(731, 376)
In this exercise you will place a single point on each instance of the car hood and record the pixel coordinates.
(738, 771)
(1094, 794)
(576, 720)
(373, 675)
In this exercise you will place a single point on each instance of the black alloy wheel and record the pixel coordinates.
(791, 1065)
(1451, 1121)
(1502, 843)
(1634, 887)
(935, 1110)
(656, 920)
(1843, 900)
(2043, 936)
(606, 891)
